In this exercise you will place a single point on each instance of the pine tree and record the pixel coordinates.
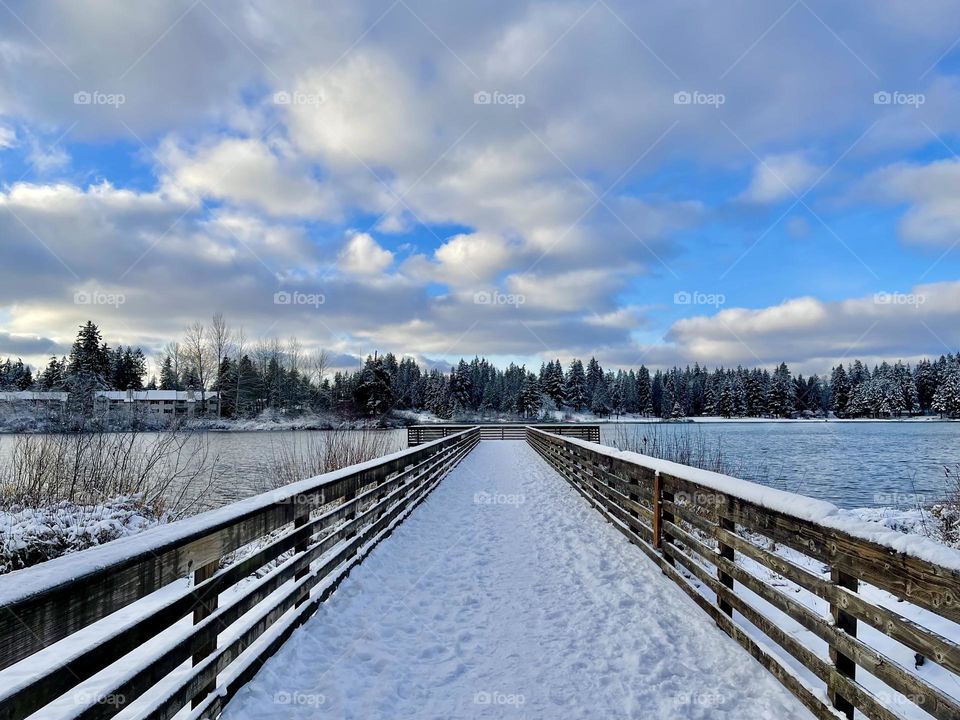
(946, 400)
(839, 391)
(600, 402)
(644, 392)
(575, 391)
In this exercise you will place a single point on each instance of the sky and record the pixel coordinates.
(745, 182)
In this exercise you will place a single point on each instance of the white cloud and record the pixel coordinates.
(933, 216)
(246, 171)
(813, 333)
(8, 137)
(362, 255)
(781, 177)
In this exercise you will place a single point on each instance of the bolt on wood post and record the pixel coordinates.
(843, 620)
(726, 552)
(206, 605)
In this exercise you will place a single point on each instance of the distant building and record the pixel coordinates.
(158, 402)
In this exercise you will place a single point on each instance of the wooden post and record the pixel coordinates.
(206, 605)
(848, 623)
(657, 510)
(726, 551)
(301, 547)
(666, 517)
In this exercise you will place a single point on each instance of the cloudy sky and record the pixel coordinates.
(739, 182)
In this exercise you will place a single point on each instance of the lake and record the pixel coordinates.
(852, 464)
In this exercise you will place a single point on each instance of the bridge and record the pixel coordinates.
(469, 576)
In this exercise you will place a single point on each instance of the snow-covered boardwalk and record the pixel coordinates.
(506, 595)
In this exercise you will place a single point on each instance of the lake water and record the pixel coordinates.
(851, 464)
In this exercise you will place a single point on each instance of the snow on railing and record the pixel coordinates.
(88, 635)
(830, 592)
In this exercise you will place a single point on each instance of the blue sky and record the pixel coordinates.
(751, 183)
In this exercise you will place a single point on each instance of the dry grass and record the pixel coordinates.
(297, 457)
(168, 472)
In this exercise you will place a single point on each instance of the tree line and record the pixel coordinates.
(279, 376)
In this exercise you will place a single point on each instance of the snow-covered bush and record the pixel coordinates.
(946, 513)
(30, 535)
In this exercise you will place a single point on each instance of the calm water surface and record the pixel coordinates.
(850, 464)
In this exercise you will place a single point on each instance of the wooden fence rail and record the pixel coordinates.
(722, 550)
(194, 580)
(417, 434)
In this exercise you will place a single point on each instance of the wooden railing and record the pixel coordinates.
(417, 434)
(724, 549)
(245, 571)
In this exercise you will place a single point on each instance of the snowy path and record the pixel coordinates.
(504, 595)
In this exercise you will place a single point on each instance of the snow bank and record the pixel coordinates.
(797, 506)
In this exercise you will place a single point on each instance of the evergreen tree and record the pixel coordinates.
(575, 391)
(839, 391)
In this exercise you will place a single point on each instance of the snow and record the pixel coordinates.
(794, 505)
(22, 584)
(506, 594)
(31, 535)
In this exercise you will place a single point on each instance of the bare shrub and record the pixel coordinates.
(297, 457)
(946, 513)
(168, 472)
